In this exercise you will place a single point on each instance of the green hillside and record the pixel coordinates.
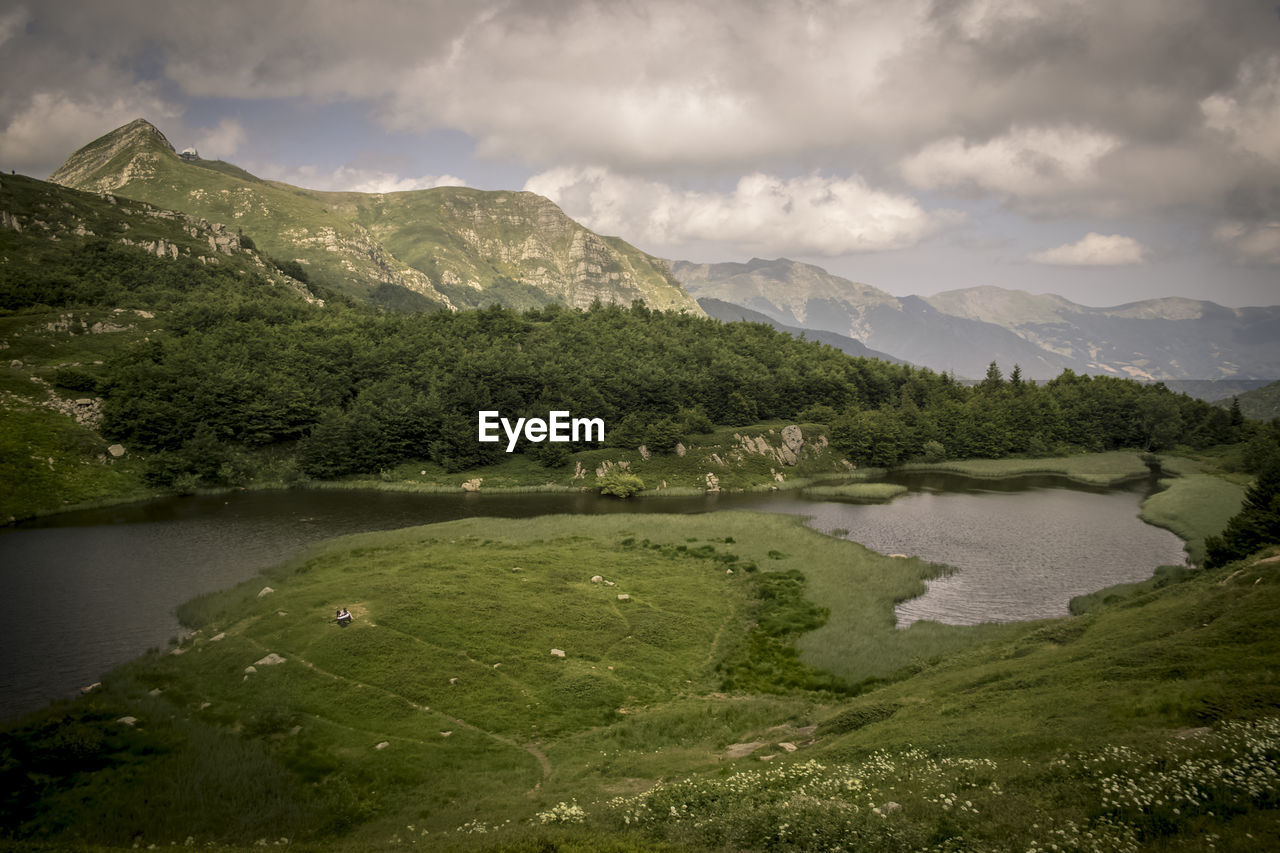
(1261, 404)
(83, 279)
(491, 695)
(444, 247)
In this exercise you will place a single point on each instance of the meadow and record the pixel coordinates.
(730, 682)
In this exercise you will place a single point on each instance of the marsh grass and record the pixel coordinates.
(1095, 469)
(1194, 503)
(858, 492)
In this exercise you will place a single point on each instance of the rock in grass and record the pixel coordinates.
(597, 579)
(383, 745)
(271, 659)
(266, 590)
(622, 596)
(558, 653)
(128, 721)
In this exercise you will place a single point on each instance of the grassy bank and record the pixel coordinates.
(1094, 469)
(443, 717)
(1195, 503)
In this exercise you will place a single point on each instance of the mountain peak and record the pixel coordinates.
(111, 160)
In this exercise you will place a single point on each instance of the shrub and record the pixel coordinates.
(620, 484)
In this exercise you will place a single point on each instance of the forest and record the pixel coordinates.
(242, 365)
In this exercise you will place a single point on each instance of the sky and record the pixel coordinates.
(1108, 152)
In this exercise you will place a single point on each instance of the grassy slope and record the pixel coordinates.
(636, 699)
(1194, 504)
(1261, 404)
(37, 342)
(352, 241)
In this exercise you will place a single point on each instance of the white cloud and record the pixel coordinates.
(57, 124)
(1094, 250)
(1250, 243)
(1250, 113)
(1033, 162)
(356, 179)
(221, 142)
(764, 214)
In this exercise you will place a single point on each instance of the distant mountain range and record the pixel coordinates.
(964, 330)
(444, 247)
(730, 313)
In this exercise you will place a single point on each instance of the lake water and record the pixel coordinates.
(87, 591)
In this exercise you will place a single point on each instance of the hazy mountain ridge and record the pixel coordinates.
(1261, 403)
(729, 313)
(454, 247)
(808, 296)
(1153, 339)
(963, 330)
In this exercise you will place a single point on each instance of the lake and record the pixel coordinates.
(87, 591)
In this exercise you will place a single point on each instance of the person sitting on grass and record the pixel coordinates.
(343, 617)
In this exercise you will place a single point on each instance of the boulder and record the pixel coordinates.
(128, 721)
(557, 653)
(597, 579)
(622, 596)
(116, 450)
(792, 438)
(265, 591)
(272, 659)
(472, 485)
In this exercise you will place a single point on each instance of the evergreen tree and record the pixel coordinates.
(1257, 524)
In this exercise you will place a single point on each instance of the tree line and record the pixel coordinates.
(350, 388)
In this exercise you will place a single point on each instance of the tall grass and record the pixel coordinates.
(1193, 503)
(1097, 469)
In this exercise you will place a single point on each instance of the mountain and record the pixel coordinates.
(1261, 404)
(811, 298)
(1154, 339)
(448, 247)
(729, 313)
(964, 330)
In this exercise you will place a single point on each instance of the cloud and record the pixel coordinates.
(12, 22)
(1249, 114)
(221, 142)
(1025, 162)
(356, 179)
(1250, 243)
(52, 125)
(763, 214)
(1073, 107)
(1094, 250)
